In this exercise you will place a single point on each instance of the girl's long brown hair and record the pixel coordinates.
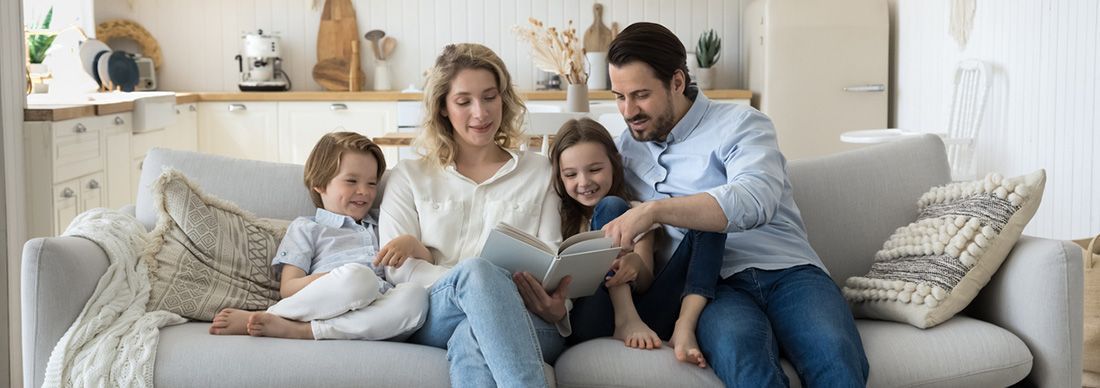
(574, 132)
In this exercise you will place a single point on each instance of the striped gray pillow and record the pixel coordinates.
(932, 268)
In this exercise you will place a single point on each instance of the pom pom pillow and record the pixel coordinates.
(931, 269)
(207, 254)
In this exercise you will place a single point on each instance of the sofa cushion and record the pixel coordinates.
(206, 254)
(266, 189)
(962, 352)
(188, 356)
(932, 268)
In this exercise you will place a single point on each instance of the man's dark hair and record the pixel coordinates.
(656, 46)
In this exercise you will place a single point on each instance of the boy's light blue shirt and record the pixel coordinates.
(730, 152)
(328, 240)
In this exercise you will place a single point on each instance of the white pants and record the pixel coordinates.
(346, 304)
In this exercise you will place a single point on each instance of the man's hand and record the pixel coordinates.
(626, 269)
(626, 227)
(551, 308)
(397, 251)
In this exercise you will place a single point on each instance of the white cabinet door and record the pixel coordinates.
(301, 124)
(184, 134)
(65, 205)
(247, 130)
(116, 142)
(91, 192)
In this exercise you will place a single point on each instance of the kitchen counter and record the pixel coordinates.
(66, 112)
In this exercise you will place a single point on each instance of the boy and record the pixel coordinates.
(329, 286)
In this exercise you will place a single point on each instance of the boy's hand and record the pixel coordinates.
(551, 308)
(626, 269)
(398, 250)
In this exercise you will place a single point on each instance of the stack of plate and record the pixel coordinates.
(111, 69)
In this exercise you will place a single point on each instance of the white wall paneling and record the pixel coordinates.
(199, 38)
(1042, 107)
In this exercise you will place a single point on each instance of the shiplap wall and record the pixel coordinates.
(1042, 106)
(199, 38)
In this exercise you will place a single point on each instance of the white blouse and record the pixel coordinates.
(452, 215)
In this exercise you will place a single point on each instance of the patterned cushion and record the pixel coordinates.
(208, 254)
(931, 269)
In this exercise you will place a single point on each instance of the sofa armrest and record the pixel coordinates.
(59, 274)
(1038, 295)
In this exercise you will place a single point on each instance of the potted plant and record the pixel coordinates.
(707, 52)
(38, 41)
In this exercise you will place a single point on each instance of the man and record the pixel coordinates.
(706, 166)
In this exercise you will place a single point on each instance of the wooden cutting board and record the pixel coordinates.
(597, 38)
(333, 74)
(337, 31)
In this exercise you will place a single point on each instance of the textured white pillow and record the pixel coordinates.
(932, 268)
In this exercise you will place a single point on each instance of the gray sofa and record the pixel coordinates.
(1025, 326)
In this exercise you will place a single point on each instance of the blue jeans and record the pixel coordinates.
(491, 339)
(692, 269)
(796, 313)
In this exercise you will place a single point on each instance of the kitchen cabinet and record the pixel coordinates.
(245, 129)
(72, 166)
(183, 135)
(301, 124)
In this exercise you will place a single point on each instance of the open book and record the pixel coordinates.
(587, 256)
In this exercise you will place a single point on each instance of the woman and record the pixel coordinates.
(441, 208)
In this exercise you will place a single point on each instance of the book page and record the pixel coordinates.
(579, 238)
(525, 237)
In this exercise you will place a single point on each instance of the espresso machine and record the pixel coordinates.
(261, 65)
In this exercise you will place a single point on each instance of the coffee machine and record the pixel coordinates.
(261, 66)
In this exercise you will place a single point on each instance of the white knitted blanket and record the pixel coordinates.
(113, 342)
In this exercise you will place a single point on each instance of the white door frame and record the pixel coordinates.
(13, 233)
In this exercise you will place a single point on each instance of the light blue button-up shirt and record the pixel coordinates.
(730, 152)
(328, 240)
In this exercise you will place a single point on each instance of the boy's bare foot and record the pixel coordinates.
(636, 334)
(685, 346)
(230, 321)
(263, 324)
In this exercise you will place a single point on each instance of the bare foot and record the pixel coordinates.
(230, 322)
(636, 334)
(263, 324)
(686, 348)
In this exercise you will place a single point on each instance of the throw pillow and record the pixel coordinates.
(207, 254)
(931, 269)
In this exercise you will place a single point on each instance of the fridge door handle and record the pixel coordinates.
(871, 88)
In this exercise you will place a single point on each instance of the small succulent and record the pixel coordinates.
(708, 49)
(38, 44)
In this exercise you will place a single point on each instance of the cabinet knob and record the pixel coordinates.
(336, 107)
(177, 111)
(67, 193)
(237, 107)
(93, 184)
(119, 121)
(80, 128)
(192, 108)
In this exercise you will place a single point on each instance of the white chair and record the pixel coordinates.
(967, 104)
(545, 124)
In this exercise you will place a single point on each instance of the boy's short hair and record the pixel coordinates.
(324, 161)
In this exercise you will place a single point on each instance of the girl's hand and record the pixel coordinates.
(626, 269)
(551, 308)
(398, 250)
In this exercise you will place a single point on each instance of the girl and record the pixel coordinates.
(589, 179)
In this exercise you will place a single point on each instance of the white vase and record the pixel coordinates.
(597, 70)
(704, 77)
(382, 76)
(576, 98)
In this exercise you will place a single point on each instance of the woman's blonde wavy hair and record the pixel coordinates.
(436, 142)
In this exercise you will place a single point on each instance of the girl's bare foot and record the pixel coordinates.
(230, 321)
(684, 344)
(263, 324)
(636, 334)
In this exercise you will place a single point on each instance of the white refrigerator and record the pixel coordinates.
(818, 68)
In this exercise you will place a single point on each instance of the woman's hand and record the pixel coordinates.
(626, 269)
(400, 249)
(551, 308)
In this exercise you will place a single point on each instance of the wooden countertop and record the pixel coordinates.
(403, 139)
(67, 112)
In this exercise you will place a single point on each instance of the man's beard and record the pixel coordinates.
(661, 126)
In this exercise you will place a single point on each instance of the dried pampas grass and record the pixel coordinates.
(554, 51)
